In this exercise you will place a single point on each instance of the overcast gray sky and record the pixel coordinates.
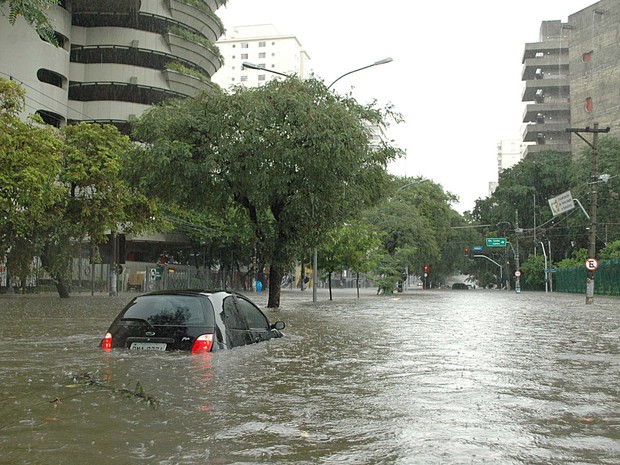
(456, 74)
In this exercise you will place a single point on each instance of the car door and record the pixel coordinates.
(257, 323)
(237, 332)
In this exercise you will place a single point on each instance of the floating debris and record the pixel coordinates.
(91, 379)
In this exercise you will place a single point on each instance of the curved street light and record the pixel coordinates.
(247, 64)
(376, 63)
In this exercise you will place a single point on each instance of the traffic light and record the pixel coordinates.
(425, 269)
(469, 253)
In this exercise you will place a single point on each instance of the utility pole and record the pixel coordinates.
(593, 199)
(517, 264)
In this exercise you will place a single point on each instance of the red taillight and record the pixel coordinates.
(203, 344)
(106, 344)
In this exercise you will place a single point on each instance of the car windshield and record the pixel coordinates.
(171, 310)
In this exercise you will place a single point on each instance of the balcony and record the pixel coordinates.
(194, 53)
(554, 110)
(186, 84)
(549, 65)
(555, 47)
(563, 149)
(552, 131)
(550, 86)
(202, 22)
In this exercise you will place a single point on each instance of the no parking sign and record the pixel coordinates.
(591, 264)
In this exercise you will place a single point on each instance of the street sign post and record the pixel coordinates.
(496, 241)
(562, 203)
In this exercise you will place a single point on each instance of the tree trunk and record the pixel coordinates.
(329, 279)
(275, 284)
(62, 289)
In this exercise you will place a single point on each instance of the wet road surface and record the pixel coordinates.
(424, 377)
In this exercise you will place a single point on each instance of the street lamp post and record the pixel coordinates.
(249, 65)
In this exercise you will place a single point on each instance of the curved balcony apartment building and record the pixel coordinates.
(115, 58)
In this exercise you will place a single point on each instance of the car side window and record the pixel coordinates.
(254, 316)
(232, 318)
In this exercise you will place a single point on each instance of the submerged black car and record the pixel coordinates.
(196, 321)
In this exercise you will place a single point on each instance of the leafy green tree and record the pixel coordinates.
(610, 252)
(387, 273)
(34, 13)
(354, 246)
(296, 157)
(418, 222)
(97, 199)
(608, 191)
(578, 259)
(30, 160)
(524, 191)
(534, 271)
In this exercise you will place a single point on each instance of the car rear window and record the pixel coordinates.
(171, 310)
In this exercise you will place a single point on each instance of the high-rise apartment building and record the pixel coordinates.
(546, 75)
(264, 46)
(116, 57)
(509, 153)
(572, 76)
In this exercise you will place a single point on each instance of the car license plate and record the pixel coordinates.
(148, 346)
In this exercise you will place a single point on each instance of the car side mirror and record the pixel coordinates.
(279, 325)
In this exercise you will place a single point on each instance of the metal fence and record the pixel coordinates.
(133, 276)
(606, 278)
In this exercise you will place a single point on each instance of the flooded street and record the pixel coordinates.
(425, 377)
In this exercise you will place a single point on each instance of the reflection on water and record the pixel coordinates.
(428, 377)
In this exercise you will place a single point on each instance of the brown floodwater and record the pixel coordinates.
(424, 377)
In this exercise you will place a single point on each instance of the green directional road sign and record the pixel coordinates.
(496, 242)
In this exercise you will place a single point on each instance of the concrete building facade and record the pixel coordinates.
(547, 91)
(572, 78)
(595, 68)
(115, 59)
(264, 46)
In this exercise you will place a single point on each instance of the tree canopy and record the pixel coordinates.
(58, 187)
(294, 156)
(34, 13)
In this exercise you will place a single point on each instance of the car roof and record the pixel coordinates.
(195, 292)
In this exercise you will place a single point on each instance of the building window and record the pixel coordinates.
(589, 105)
(50, 77)
(586, 57)
(245, 45)
(244, 78)
(244, 56)
(261, 77)
(262, 43)
(262, 55)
